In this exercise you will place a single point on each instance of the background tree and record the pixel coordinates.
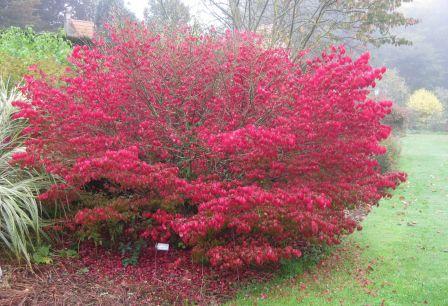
(111, 10)
(425, 63)
(393, 87)
(309, 24)
(167, 12)
(19, 13)
(426, 105)
(48, 15)
(43, 15)
(51, 12)
(442, 94)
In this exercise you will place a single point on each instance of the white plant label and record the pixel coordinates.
(162, 246)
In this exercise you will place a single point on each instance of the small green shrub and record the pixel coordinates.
(398, 120)
(29, 45)
(22, 48)
(389, 160)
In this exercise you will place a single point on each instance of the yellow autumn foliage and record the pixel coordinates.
(425, 103)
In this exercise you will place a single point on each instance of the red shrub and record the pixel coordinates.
(257, 154)
(96, 215)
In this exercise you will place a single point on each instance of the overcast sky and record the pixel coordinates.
(197, 9)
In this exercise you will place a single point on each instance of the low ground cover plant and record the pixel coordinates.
(212, 143)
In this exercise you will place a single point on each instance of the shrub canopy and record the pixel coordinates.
(240, 152)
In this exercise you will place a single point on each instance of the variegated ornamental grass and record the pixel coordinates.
(20, 221)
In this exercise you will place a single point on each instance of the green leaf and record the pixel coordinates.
(83, 270)
(68, 253)
(42, 255)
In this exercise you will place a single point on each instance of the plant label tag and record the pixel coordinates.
(162, 246)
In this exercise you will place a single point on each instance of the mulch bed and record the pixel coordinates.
(100, 279)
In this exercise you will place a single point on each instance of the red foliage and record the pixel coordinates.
(255, 153)
(98, 214)
(161, 228)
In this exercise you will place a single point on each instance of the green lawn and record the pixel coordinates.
(399, 258)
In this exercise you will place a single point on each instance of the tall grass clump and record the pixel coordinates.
(20, 222)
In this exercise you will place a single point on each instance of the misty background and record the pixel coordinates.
(424, 64)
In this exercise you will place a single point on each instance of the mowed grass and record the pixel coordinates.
(399, 258)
